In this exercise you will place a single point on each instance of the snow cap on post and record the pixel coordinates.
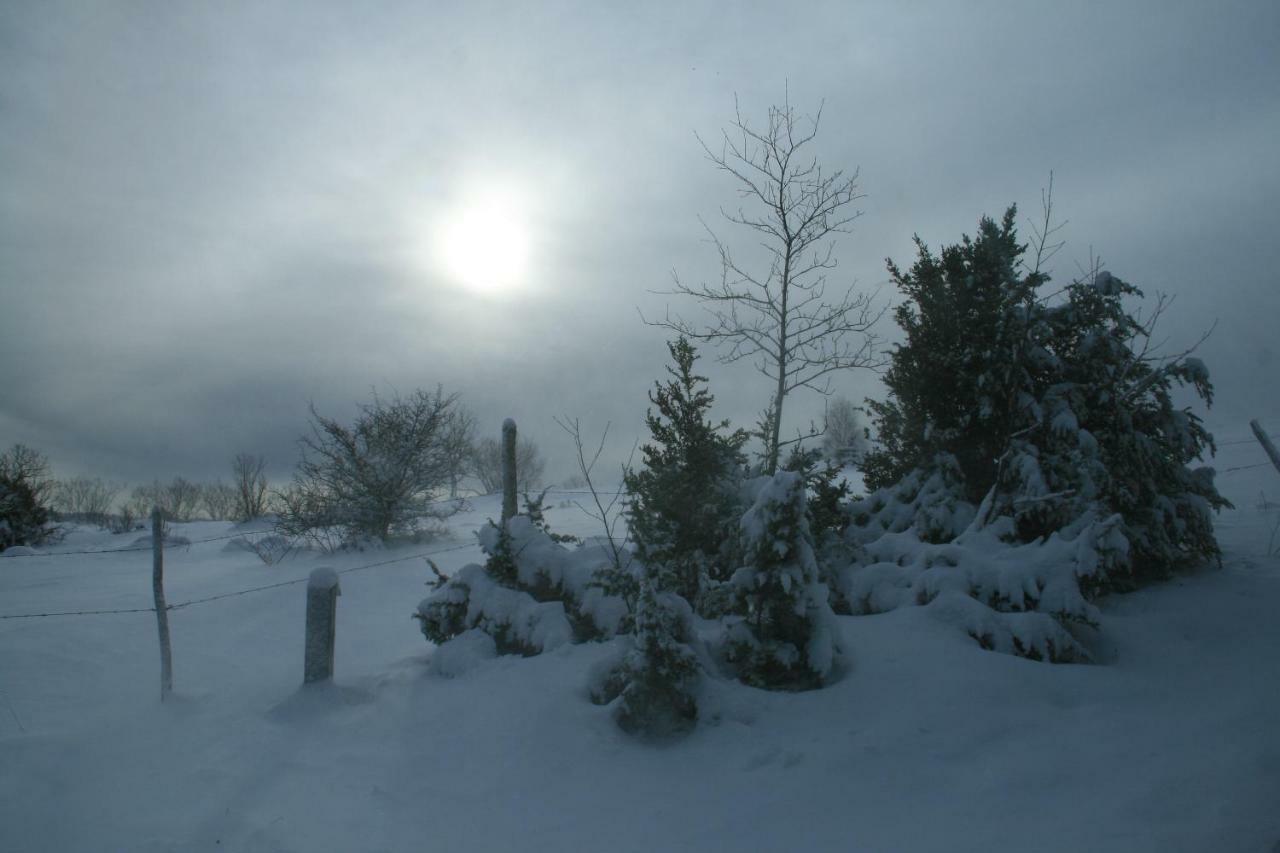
(323, 578)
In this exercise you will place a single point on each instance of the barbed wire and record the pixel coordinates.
(219, 597)
(73, 553)
(1246, 467)
(76, 613)
(132, 549)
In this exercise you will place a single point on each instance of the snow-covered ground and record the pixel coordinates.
(928, 743)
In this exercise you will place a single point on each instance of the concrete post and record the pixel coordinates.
(322, 622)
(508, 470)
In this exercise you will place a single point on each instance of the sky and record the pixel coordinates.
(215, 215)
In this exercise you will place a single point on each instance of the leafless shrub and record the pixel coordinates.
(249, 481)
(219, 501)
(270, 549)
(85, 499)
(606, 507)
(378, 477)
(124, 521)
(142, 498)
(486, 465)
(182, 499)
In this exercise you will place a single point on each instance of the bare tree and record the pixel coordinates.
(459, 442)
(249, 479)
(608, 512)
(486, 465)
(143, 498)
(777, 316)
(219, 501)
(379, 476)
(86, 498)
(181, 499)
(843, 436)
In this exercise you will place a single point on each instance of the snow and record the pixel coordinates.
(323, 578)
(927, 743)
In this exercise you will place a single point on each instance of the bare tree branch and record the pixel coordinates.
(778, 317)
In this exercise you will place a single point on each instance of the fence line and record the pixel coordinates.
(1245, 467)
(221, 596)
(77, 613)
(139, 548)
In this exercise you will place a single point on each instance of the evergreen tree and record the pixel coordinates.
(660, 673)
(1106, 431)
(956, 384)
(1046, 411)
(785, 639)
(23, 519)
(25, 489)
(826, 492)
(681, 500)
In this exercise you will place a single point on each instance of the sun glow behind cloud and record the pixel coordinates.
(482, 242)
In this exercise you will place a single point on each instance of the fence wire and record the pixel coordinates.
(237, 593)
(133, 549)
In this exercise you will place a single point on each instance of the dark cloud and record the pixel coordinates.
(211, 216)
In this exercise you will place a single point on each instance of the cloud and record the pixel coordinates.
(212, 215)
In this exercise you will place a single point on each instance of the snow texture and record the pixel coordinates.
(556, 590)
(322, 578)
(929, 744)
(1021, 596)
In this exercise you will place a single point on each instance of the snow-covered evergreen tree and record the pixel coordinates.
(785, 638)
(660, 673)
(1106, 432)
(531, 594)
(682, 499)
(1042, 412)
(960, 382)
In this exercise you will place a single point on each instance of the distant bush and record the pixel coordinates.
(179, 499)
(249, 482)
(378, 477)
(85, 499)
(219, 501)
(25, 489)
(486, 465)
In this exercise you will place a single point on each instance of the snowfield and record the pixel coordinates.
(927, 743)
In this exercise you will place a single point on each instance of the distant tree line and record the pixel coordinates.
(401, 462)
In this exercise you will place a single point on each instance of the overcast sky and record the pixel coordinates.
(212, 214)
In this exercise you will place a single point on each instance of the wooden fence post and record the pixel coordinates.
(322, 623)
(508, 470)
(162, 609)
(1265, 441)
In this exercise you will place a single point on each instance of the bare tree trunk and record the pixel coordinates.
(1265, 441)
(775, 439)
(508, 470)
(162, 609)
(778, 317)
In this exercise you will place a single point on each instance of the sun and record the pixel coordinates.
(483, 242)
